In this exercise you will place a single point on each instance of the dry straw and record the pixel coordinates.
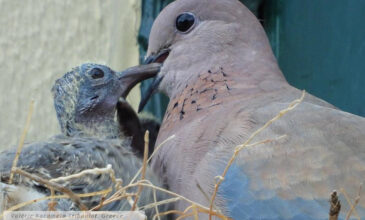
(21, 141)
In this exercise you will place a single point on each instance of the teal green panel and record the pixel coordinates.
(254, 6)
(150, 10)
(320, 45)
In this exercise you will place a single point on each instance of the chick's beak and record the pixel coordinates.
(131, 76)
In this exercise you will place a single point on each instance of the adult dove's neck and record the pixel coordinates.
(236, 75)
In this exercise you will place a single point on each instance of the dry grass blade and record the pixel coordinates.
(207, 211)
(353, 207)
(96, 171)
(144, 167)
(124, 196)
(292, 106)
(350, 203)
(177, 196)
(162, 202)
(21, 205)
(206, 196)
(195, 212)
(186, 214)
(349, 214)
(102, 203)
(55, 186)
(21, 141)
(201, 208)
(153, 154)
(155, 204)
(52, 204)
(169, 193)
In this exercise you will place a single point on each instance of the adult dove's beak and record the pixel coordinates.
(159, 57)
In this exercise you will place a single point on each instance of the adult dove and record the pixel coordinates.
(224, 83)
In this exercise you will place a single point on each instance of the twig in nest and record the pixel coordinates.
(144, 167)
(162, 202)
(146, 183)
(199, 210)
(207, 211)
(167, 192)
(185, 213)
(52, 204)
(357, 200)
(206, 195)
(350, 203)
(55, 186)
(101, 203)
(121, 190)
(153, 154)
(18, 206)
(155, 202)
(21, 141)
(292, 106)
(124, 196)
(96, 171)
(195, 212)
(200, 207)
(335, 206)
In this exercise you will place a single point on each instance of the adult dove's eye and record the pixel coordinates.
(96, 73)
(185, 22)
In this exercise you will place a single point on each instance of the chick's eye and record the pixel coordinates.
(185, 22)
(96, 73)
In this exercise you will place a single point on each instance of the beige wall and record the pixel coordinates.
(40, 40)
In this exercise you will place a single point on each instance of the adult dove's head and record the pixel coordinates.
(195, 36)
